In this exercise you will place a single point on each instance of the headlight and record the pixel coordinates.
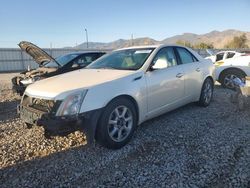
(71, 104)
(30, 80)
(27, 81)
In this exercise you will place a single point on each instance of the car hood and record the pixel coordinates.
(39, 55)
(51, 88)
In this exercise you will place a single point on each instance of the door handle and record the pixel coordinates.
(179, 75)
(198, 70)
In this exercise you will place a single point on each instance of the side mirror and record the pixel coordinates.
(159, 64)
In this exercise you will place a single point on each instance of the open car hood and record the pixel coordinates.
(39, 55)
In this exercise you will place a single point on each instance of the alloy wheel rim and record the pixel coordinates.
(208, 92)
(120, 123)
(229, 81)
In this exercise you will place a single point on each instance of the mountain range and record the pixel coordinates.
(218, 38)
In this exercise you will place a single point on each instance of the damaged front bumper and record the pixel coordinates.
(61, 125)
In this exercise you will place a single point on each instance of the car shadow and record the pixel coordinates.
(8, 110)
(54, 164)
(67, 166)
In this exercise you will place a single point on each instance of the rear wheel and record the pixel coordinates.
(227, 78)
(117, 124)
(206, 93)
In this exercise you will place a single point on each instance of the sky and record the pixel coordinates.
(60, 23)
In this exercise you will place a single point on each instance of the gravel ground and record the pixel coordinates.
(189, 147)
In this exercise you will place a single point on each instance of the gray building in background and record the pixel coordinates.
(14, 59)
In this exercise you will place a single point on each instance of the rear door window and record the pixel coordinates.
(186, 56)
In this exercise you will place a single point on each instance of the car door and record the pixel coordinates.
(193, 72)
(165, 85)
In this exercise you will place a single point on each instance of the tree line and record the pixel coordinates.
(236, 42)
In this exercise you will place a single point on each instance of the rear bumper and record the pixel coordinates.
(61, 125)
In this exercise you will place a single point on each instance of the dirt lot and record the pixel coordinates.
(189, 147)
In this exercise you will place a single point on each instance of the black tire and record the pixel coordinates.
(238, 73)
(205, 97)
(103, 129)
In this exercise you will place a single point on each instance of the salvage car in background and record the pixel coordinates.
(48, 66)
(222, 55)
(114, 94)
(230, 65)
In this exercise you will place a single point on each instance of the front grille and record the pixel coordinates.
(48, 106)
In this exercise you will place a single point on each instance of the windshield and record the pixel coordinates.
(129, 59)
(62, 60)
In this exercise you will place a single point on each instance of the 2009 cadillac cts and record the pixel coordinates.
(114, 94)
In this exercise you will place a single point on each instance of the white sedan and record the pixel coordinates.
(223, 55)
(114, 94)
(230, 65)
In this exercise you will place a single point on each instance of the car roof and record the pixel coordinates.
(227, 51)
(151, 46)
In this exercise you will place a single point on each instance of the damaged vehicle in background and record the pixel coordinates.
(48, 66)
(230, 66)
(222, 55)
(111, 96)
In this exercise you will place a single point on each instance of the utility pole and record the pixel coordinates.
(87, 40)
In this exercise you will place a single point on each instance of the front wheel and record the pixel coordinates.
(206, 93)
(117, 123)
